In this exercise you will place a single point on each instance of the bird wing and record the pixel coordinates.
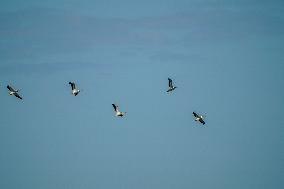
(170, 82)
(17, 95)
(195, 114)
(72, 85)
(202, 121)
(115, 107)
(10, 88)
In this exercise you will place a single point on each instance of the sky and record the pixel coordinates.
(225, 57)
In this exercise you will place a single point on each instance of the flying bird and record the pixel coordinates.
(117, 112)
(13, 92)
(198, 118)
(75, 91)
(171, 87)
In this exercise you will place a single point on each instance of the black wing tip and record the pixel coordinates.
(10, 88)
(18, 96)
(195, 114)
(114, 107)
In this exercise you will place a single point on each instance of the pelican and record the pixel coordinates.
(75, 91)
(117, 112)
(171, 87)
(14, 92)
(198, 118)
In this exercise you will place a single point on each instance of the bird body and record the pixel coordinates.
(198, 118)
(13, 92)
(171, 87)
(117, 112)
(75, 91)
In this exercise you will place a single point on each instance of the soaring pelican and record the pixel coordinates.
(171, 87)
(117, 112)
(14, 92)
(198, 118)
(75, 91)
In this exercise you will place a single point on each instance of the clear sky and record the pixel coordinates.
(225, 56)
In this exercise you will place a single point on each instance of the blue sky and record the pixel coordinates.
(226, 57)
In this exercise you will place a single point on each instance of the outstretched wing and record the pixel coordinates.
(72, 85)
(10, 88)
(18, 96)
(170, 83)
(115, 107)
(202, 121)
(195, 114)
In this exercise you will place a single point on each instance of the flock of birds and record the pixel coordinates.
(118, 113)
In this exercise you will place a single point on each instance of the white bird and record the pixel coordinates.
(75, 91)
(199, 118)
(171, 87)
(14, 92)
(117, 112)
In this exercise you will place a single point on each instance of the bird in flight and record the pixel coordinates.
(199, 118)
(117, 112)
(14, 92)
(75, 91)
(171, 87)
